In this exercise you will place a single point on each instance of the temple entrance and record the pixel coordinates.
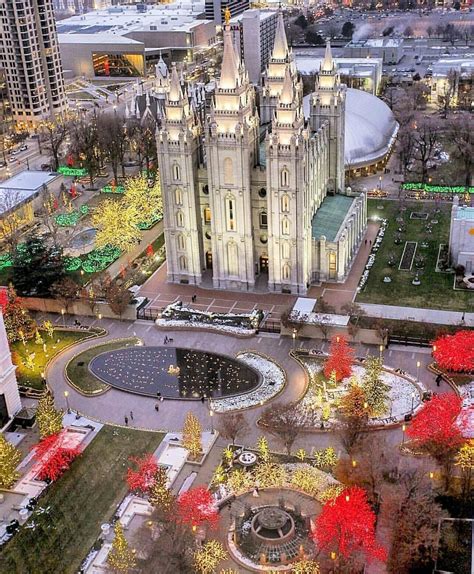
(264, 264)
(208, 259)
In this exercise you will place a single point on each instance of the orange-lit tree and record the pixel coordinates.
(340, 360)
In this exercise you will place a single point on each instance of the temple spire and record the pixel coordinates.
(328, 63)
(280, 47)
(230, 68)
(175, 94)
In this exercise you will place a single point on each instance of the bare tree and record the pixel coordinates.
(53, 134)
(65, 291)
(113, 140)
(85, 144)
(282, 421)
(142, 138)
(405, 148)
(447, 92)
(460, 134)
(427, 139)
(351, 432)
(118, 298)
(355, 312)
(232, 425)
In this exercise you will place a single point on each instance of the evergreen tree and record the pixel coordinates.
(121, 558)
(160, 495)
(48, 417)
(376, 391)
(18, 322)
(10, 457)
(36, 266)
(192, 435)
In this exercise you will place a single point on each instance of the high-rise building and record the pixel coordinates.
(215, 8)
(29, 54)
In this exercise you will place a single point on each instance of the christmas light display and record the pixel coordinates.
(120, 558)
(140, 479)
(352, 404)
(268, 474)
(18, 323)
(119, 189)
(196, 508)
(48, 418)
(455, 352)
(435, 423)
(465, 456)
(305, 567)
(207, 558)
(263, 450)
(71, 218)
(72, 171)
(347, 526)
(308, 479)
(340, 360)
(53, 457)
(424, 187)
(375, 390)
(10, 458)
(160, 496)
(192, 434)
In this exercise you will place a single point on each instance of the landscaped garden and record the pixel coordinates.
(406, 268)
(66, 522)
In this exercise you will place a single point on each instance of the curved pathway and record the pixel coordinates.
(114, 405)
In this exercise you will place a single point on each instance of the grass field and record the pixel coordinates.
(77, 504)
(32, 377)
(78, 368)
(436, 289)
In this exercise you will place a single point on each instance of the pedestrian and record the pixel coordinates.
(126, 420)
(366, 242)
(203, 398)
(157, 407)
(463, 316)
(131, 415)
(161, 399)
(165, 340)
(158, 394)
(370, 242)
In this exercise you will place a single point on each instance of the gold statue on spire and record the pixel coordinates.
(227, 15)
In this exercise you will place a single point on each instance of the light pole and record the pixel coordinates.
(404, 428)
(294, 338)
(381, 353)
(211, 414)
(412, 401)
(66, 396)
(418, 365)
(62, 313)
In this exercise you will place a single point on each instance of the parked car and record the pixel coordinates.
(24, 147)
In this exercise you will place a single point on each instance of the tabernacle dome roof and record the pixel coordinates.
(370, 128)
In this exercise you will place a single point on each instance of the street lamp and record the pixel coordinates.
(412, 401)
(66, 396)
(62, 313)
(354, 463)
(404, 428)
(211, 414)
(418, 365)
(294, 338)
(381, 353)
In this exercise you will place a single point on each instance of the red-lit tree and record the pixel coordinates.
(53, 457)
(434, 429)
(196, 507)
(455, 352)
(141, 477)
(340, 360)
(346, 526)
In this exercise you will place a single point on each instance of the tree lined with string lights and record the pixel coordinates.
(10, 458)
(207, 558)
(18, 323)
(48, 417)
(192, 435)
(141, 477)
(121, 558)
(160, 495)
(455, 352)
(340, 360)
(196, 508)
(376, 391)
(346, 526)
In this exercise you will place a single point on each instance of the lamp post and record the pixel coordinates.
(381, 353)
(294, 338)
(66, 396)
(404, 428)
(64, 319)
(211, 414)
(418, 365)
(412, 401)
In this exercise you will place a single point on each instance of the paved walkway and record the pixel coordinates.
(422, 315)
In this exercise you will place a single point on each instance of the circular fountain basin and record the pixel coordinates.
(83, 243)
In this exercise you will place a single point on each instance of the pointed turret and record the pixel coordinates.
(280, 47)
(175, 93)
(327, 65)
(287, 92)
(230, 64)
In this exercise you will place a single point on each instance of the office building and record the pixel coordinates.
(215, 9)
(29, 54)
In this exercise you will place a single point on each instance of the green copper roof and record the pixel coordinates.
(330, 215)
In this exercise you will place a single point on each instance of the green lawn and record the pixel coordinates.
(436, 289)
(32, 377)
(78, 368)
(78, 503)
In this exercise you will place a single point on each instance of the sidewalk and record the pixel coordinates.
(422, 315)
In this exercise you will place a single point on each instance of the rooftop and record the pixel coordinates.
(309, 65)
(466, 213)
(20, 187)
(330, 215)
(253, 13)
(465, 66)
(97, 38)
(376, 43)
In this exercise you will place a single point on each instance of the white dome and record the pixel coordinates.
(370, 128)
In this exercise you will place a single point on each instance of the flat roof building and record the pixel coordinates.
(215, 8)
(390, 50)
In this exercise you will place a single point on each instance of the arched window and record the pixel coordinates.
(230, 213)
(178, 196)
(285, 203)
(263, 220)
(285, 250)
(183, 263)
(285, 226)
(181, 242)
(286, 271)
(228, 171)
(205, 189)
(180, 218)
(284, 177)
(207, 215)
(176, 172)
(233, 258)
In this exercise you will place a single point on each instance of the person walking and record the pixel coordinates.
(157, 407)
(126, 420)
(131, 415)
